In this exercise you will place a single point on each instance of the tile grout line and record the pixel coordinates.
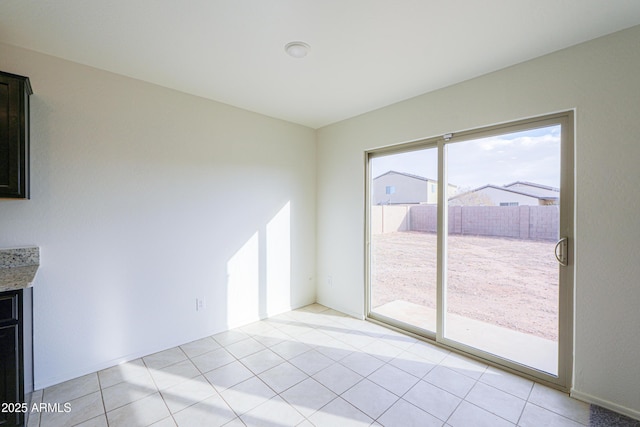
(148, 370)
(104, 407)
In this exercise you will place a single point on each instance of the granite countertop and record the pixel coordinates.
(18, 267)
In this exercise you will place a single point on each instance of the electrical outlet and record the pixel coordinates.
(201, 304)
(329, 280)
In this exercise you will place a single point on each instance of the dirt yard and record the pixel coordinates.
(505, 282)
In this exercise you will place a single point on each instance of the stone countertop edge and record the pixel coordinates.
(18, 267)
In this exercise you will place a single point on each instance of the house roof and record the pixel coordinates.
(421, 178)
(510, 190)
(532, 184)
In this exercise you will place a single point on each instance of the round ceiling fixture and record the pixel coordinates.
(297, 49)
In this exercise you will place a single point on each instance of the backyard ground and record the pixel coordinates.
(506, 282)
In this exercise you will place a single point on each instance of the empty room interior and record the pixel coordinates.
(219, 220)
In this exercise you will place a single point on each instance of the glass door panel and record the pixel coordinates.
(403, 237)
(502, 277)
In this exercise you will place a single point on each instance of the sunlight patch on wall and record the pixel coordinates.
(278, 243)
(259, 273)
(243, 284)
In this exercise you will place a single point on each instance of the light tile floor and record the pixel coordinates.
(309, 367)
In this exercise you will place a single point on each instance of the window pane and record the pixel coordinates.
(403, 237)
(502, 276)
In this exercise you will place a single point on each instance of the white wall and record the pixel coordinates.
(601, 80)
(142, 199)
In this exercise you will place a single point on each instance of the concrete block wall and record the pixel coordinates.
(517, 222)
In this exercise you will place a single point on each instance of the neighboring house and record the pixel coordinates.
(403, 188)
(515, 194)
(532, 188)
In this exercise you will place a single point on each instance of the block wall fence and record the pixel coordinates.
(516, 222)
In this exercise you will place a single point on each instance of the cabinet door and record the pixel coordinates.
(9, 387)
(14, 138)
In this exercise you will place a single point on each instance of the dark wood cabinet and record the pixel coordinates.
(14, 136)
(16, 362)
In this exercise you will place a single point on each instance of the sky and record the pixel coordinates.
(532, 155)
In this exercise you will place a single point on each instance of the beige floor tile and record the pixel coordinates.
(140, 413)
(282, 377)
(272, 337)
(244, 348)
(314, 308)
(164, 358)
(393, 379)
(165, 422)
(399, 340)
(201, 346)
(308, 396)
(72, 389)
(247, 395)
(432, 399)
(229, 337)
(275, 412)
(370, 398)
(337, 378)
(339, 412)
(498, 402)
(464, 365)
(314, 338)
(256, 328)
(187, 393)
(292, 328)
(228, 375)
(236, 422)
(450, 380)
(535, 416)
(99, 421)
(212, 360)
(122, 372)
(428, 351)
(358, 339)
(507, 382)
(382, 350)
(126, 392)
(560, 403)
(33, 418)
(413, 364)
(404, 414)
(362, 363)
(174, 374)
(261, 361)
(80, 410)
(311, 362)
(470, 415)
(211, 412)
(335, 349)
(289, 349)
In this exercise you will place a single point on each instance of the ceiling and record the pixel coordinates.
(365, 54)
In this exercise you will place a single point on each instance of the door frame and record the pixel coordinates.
(566, 275)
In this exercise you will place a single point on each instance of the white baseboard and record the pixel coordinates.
(605, 404)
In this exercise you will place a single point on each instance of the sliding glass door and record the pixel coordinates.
(469, 242)
(403, 225)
